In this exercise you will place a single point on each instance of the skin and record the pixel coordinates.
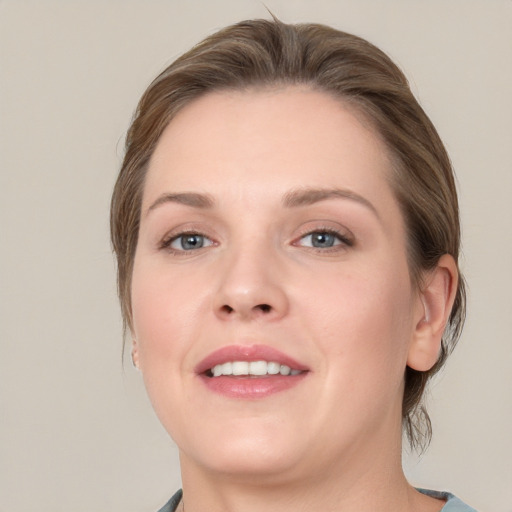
(349, 312)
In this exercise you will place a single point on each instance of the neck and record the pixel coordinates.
(356, 484)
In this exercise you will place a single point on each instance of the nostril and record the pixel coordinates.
(227, 309)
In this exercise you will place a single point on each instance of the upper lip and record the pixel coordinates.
(247, 353)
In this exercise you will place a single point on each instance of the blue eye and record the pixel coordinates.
(189, 242)
(323, 240)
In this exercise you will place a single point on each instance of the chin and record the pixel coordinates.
(243, 451)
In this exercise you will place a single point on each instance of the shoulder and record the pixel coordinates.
(173, 503)
(453, 504)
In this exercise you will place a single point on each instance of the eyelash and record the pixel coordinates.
(343, 239)
(166, 243)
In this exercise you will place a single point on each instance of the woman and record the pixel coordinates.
(287, 234)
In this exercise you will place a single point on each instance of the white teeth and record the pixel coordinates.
(258, 368)
(273, 368)
(240, 368)
(285, 370)
(252, 368)
(226, 369)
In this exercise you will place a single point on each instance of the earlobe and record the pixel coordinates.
(435, 304)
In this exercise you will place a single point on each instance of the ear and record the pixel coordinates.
(135, 354)
(435, 305)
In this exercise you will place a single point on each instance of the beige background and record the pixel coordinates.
(76, 431)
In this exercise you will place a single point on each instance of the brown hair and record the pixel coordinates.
(265, 53)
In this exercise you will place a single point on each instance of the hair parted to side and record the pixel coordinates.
(258, 53)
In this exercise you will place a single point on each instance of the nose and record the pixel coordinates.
(250, 286)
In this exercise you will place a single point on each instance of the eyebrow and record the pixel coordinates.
(293, 199)
(193, 199)
(309, 196)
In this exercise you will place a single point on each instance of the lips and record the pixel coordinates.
(253, 368)
(247, 353)
(254, 371)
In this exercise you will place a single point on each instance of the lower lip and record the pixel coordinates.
(251, 387)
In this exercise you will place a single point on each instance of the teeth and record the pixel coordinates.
(273, 368)
(252, 368)
(240, 368)
(285, 370)
(258, 368)
(226, 369)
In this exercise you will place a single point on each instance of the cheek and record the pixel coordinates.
(163, 310)
(164, 319)
(364, 319)
(359, 324)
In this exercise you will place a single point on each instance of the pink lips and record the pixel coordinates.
(247, 353)
(249, 386)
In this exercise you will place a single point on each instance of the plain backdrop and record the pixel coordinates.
(76, 431)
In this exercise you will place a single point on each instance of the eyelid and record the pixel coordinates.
(166, 245)
(183, 230)
(344, 235)
(207, 242)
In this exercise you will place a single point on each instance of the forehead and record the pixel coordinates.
(251, 142)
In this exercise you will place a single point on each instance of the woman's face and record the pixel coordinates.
(270, 235)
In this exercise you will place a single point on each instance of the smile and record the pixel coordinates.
(250, 372)
(253, 368)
